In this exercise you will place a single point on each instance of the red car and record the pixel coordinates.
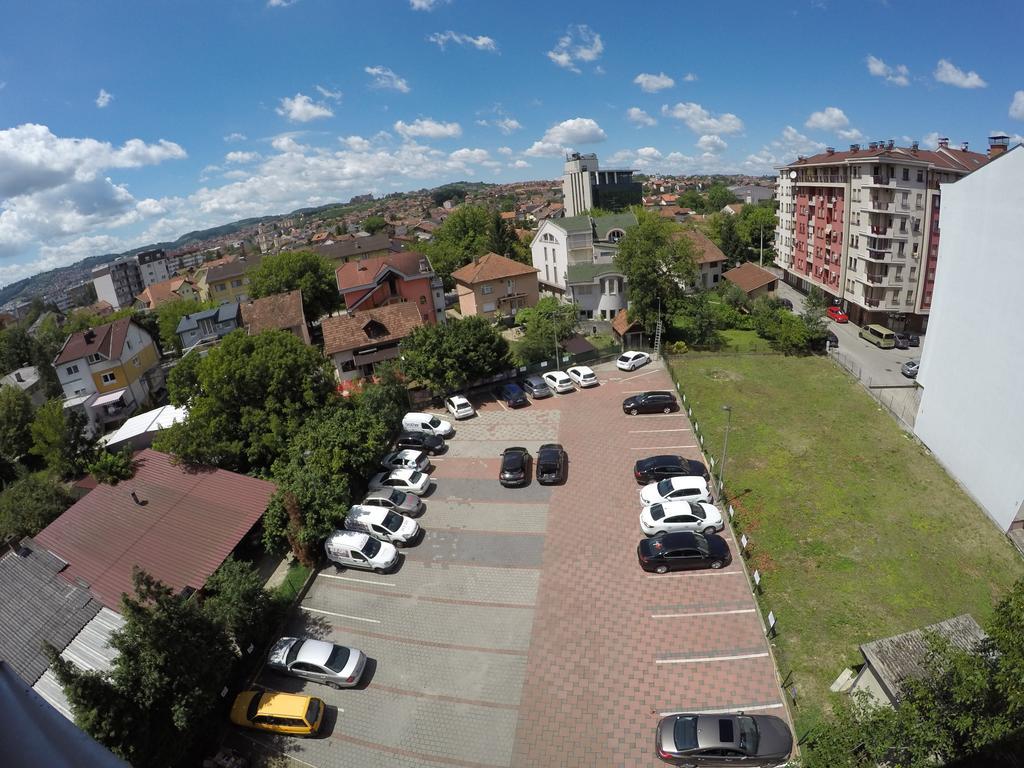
(835, 313)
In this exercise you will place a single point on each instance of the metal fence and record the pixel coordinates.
(900, 401)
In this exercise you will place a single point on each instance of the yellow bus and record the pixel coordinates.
(878, 335)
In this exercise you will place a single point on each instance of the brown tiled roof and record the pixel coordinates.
(491, 266)
(508, 215)
(749, 276)
(347, 332)
(357, 246)
(231, 269)
(944, 158)
(361, 273)
(281, 310)
(106, 340)
(705, 251)
(186, 524)
(162, 292)
(621, 324)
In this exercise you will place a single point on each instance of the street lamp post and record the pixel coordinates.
(725, 448)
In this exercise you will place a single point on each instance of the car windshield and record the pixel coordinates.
(293, 652)
(415, 478)
(685, 732)
(698, 511)
(392, 521)
(338, 659)
(749, 735)
(625, 358)
(512, 461)
(312, 711)
(665, 487)
(254, 706)
(657, 511)
(371, 548)
(396, 497)
(434, 421)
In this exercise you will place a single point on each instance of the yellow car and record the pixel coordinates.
(287, 713)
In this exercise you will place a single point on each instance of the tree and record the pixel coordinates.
(659, 267)
(815, 304)
(236, 600)
(693, 200)
(30, 504)
(111, 468)
(696, 321)
(308, 272)
(15, 421)
(445, 357)
(374, 224)
(440, 195)
(548, 322)
(503, 240)
(50, 337)
(718, 196)
(756, 227)
(731, 243)
(464, 235)
(246, 400)
(16, 348)
(59, 439)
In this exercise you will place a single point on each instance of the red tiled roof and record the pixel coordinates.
(749, 276)
(944, 158)
(705, 251)
(281, 310)
(364, 272)
(621, 324)
(107, 340)
(346, 332)
(187, 524)
(491, 266)
(163, 292)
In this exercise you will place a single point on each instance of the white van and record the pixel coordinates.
(384, 524)
(426, 422)
(358, 550)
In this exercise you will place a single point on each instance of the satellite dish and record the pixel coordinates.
(792, 174)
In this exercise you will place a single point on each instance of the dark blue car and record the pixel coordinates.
(513, 395)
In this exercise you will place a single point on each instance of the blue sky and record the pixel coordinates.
(122, 124)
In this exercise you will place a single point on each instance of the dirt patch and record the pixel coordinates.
(719, 375)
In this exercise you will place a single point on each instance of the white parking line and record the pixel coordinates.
(723, 710)
(276, 751)
(361, 581)
(661, 447)
(700, 613)
(705, 659)
(637, 376)
(693, 575)
(649, 431)
(342, 615)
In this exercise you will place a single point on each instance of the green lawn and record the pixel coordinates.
(744, 341)
(858, 533)
(604, 342)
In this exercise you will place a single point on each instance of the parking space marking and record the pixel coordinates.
(442, 600)
(444, 697)
(654, 415)
(275, 751)
(645, 373)
(722, 710)
(689, 575)
(701, 613)
(660, 447)
(341, 615)
(704, 659)
(651, 431)
(434, 644)
(421, 756)
(361, 581)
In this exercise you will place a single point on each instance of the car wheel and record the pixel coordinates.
(706, 531)
(378, 570)
(335, 686)
(716, 564)
(667, 409)
(633, 412)
(661, 569)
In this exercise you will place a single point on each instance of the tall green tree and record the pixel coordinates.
(545, 325)
(502, 239)
(718, 196)
(463, 235)
(247, 398)
(30, 504)
(234, 597)
(16, 348)
(15, 421)
(756, 227)
(445, 357)
(59, 439)
(732, 244)
(308, 272)
(693, 200)
(658, 265)
(374, 224)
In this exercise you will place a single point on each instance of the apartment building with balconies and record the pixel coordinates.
(862, 225)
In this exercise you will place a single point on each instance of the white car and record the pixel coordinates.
(689, 488)
(459, 407)
(674, 516)
(408, 480)
(384, 524)
(406, 459)
(630, 361)
(349, 549)
(317, 660)
(559, 382)
(582, 375)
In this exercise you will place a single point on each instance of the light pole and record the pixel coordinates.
(725, 448)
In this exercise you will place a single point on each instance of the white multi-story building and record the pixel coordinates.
(118, 282)
(575, 257)
(862, 225)
(971, 415)
(585, 186)
(154, 266)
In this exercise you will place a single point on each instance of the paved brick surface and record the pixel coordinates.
(478, 516)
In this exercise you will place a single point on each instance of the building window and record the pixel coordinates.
(109, 378)
(221, 287)
(487, 289)
(236, 283)
(920, 176)
(93, 358)
(906, 174)
(71, 370)
(423, 299)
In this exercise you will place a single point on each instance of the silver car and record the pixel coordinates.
(392, 498)
(317, 660)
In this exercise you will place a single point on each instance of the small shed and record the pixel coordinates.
(753, 280)
(630, 334)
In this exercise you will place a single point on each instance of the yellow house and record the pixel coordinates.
(494, 285)
(225, 282)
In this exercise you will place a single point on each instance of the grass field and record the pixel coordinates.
(858, 532)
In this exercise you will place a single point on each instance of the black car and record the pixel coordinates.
(719, 740)
(515, 467)
(659, 467)
(787, 304)
(551, 461)
(650, 402)
(914, 339)
(420, 441)
(682, 551)
(902, 341)
(512, 395)
(833, 340)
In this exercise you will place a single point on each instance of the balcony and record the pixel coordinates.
(879, 206)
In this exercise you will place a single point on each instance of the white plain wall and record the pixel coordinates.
(972, 409)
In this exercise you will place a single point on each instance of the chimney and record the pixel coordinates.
(830, 150)
(944, 142)
(913, 146)
(998, 143)
(90, 336)
(890, 144)
(18, 376)
(963, 146)
(136, 499)
(855, 147)
(873, 145)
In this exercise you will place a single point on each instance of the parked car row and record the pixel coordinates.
(551, 466)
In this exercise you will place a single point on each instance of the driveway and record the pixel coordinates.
(521, 631)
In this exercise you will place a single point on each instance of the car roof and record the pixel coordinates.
(400, 472)
(512, 387)
(582, 368)
(687, 481)
(280, 704)
(458, 399)
(709, 731)
(314, 651)
(557, 373)
(551, 447)
(368, 510)
(350, 539)
(670, 541)
(534, 378)
(662, 459)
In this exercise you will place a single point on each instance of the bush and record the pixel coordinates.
(677, 348)
(111, 468)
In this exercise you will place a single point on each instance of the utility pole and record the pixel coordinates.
(760, 259)
(725, 448)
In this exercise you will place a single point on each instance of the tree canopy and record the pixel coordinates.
(306, 271)
(543, 324)
(30, 504)
(471, 231)
(446, 356)
(59, 439)
(374, 224)
(15, 421)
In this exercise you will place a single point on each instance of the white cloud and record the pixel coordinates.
(519, 164)
(507, 125)
(232, 137)
(329, 94)
(302, 109)
(849, 134)
(385, 78)
(712, 144)
(930, 140)
(357, 143)
(150, 207)
(285, 142)
(428, 128)
(948, 73)
(504, 150)
(426, 5)
(280, 3)
(785, 149)
(898, 75)
(558, 138)
(241, 157)
(480, 42)
(690, 77)
(699, 120)
(580, 44)
(638, 117)
(653, 83)
(1017, 106)
(466, 155)
(544, 149)
(829, 119)
(104, 98)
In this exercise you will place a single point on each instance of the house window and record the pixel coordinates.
(487, 289)
(71, 370)
(510, 287)
(108, 378)
(906, 174)
(93, 358)
(920, 176)
(714, 278)
(128, 341)
(423, 299)
(221, 287)
(236, 283)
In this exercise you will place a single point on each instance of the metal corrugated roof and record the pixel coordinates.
(186, 523)
(150, 421)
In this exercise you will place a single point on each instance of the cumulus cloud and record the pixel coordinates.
(930, 140)
(385, 78)
(948, 73)
(241, 157)
(898, 75)
(712, 144)
(1017, 106)
(519, 164)
(829, 119)
(480, 42)
(638, 117)
(301, 109)
(426, 5)
(580, 44)
(690, 77)
(504, 150)
(466, 155)
(104, 98)
(506, 125)
(558, 138)
(653, 83)
(849, 134)
(280, 3)
(785, 149)
(233, 137)
(428, 128)
(358, 143)
(699, 120)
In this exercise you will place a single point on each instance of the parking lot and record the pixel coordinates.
(521, 630)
